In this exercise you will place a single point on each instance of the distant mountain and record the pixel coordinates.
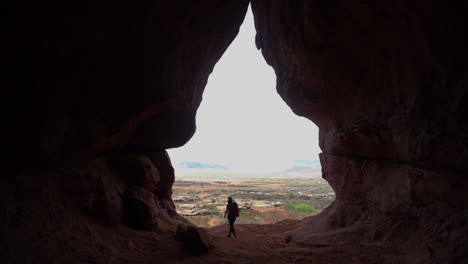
(315, 164)
(305, 168)
(199, 165)
(303, 172)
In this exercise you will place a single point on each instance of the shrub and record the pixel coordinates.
(302, 209)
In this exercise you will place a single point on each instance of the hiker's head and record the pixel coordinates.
(230, 200)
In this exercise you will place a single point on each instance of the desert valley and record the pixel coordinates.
(262, 199)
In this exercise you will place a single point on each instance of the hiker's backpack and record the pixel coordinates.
(234, 209)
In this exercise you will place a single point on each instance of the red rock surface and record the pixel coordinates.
(386, 82)
(91, 83)
(92, 77)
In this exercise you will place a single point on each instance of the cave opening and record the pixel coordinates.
(96, 93)
(248, 145)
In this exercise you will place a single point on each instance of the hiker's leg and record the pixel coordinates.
(233, 229)
(231, 226)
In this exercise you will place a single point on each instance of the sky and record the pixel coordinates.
(242, 122)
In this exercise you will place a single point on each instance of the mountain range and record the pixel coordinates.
(298, 168)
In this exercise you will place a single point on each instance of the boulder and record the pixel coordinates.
(140, 209)
(195, 239)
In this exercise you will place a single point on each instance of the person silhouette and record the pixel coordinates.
(232, 211)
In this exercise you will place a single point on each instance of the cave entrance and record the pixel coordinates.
(250, 145)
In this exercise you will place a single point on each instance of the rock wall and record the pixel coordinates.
(94, 92)
(108, 211)
(90, 77)
(386, 82)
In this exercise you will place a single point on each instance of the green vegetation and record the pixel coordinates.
(301, 209)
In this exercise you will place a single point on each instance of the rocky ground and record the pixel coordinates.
(262, 200)
(266, 244)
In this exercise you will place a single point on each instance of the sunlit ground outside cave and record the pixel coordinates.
(248, 145)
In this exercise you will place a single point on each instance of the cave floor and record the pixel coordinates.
(262, 244)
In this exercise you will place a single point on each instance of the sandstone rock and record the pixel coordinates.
(137, 170)
(162, 161)
(391, 114)
(82, 95)
(96, 191)
(195, 239)
(140, 209)
(169, 206)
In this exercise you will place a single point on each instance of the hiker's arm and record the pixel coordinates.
(225, 212)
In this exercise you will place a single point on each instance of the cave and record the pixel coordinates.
(95, 92)
(261, 154)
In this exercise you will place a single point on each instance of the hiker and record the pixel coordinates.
(232, 210)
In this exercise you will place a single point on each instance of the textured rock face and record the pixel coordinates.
(195, 239)
(90, 77)
(140, 209)
(163, 162)
(90, 214)
(94, 93)
(382, 80)
(387, 85)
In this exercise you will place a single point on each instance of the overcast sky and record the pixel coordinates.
(242, 122)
